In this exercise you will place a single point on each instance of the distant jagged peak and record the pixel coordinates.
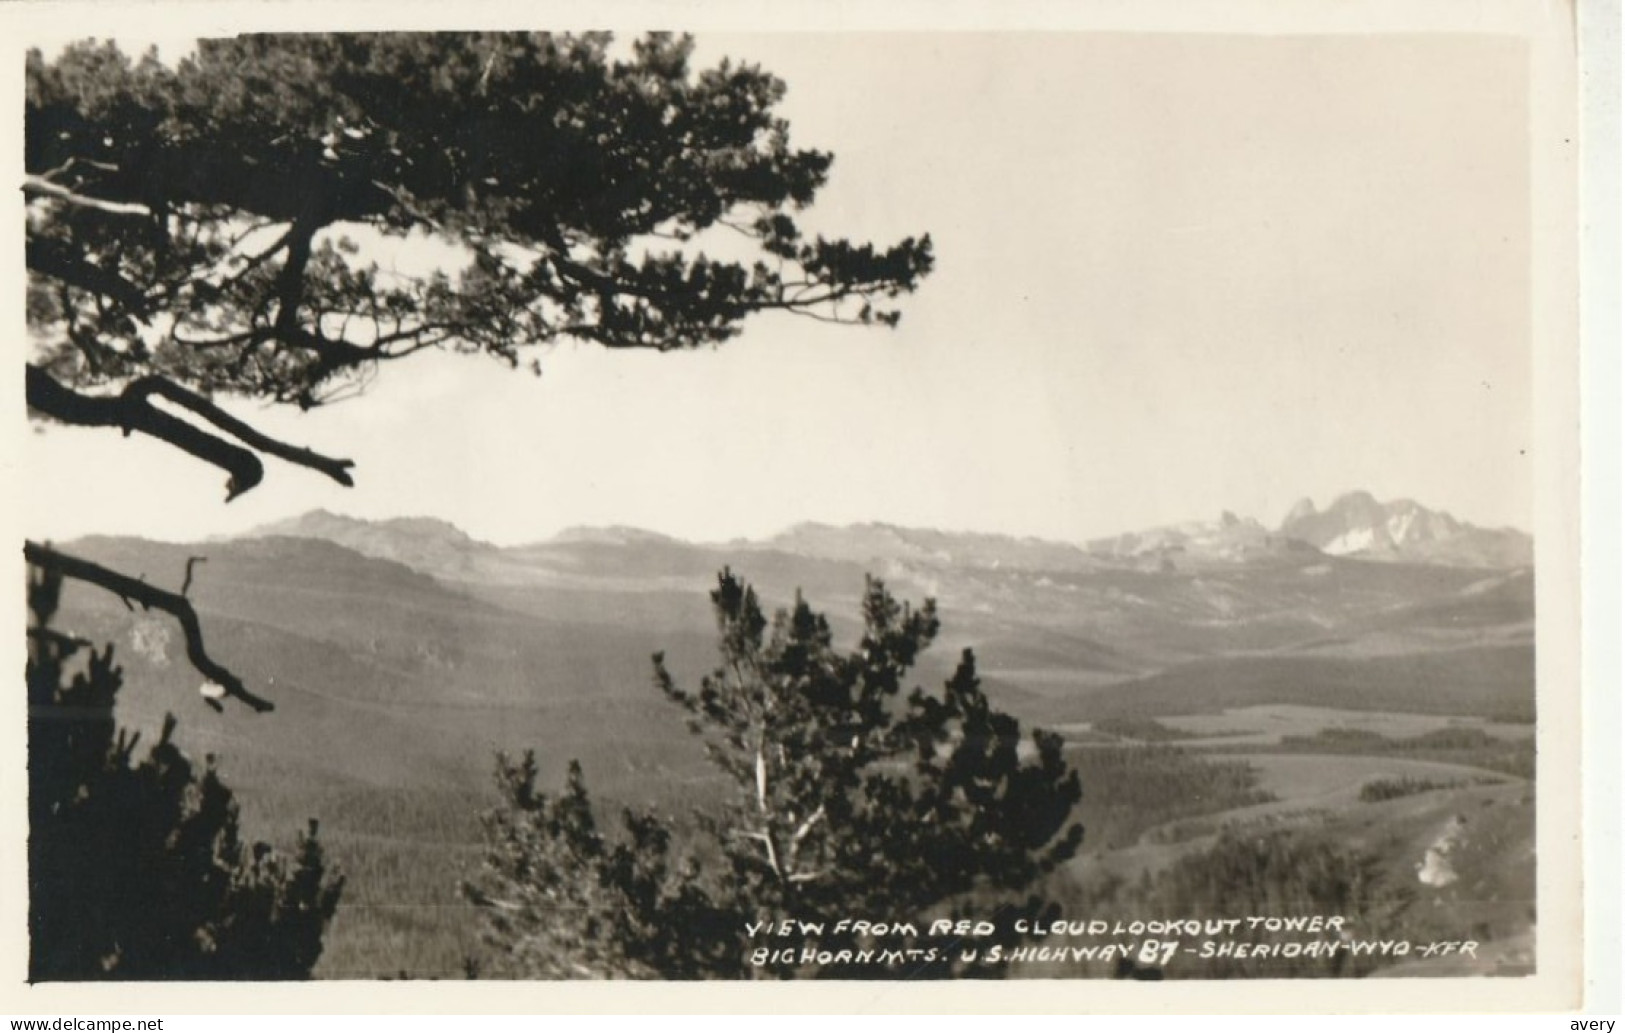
(1227, 540)
(861, 527)
(867, 532)
(1301, 509)
(1356, 524)
(1357, 497)
(899, 532)
(429, 525)
(323, 523)
(316, 523)
(612, 534)
(1358, 505)
(1353, 508)
(309, 519)
(872, 540)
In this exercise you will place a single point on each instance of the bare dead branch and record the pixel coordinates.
(130, 590)
(69, 165)
(38, 185)
(191, 561)
(132, 410)
(806, 827)
(131, 413)
(337, 469)
(766, 839)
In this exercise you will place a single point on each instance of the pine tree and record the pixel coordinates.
(845, 798)
(212, 228)
(137, 868)
(199, 231)
(198, 228)
(564, 900)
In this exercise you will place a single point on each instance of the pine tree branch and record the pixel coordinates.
(771, 853)
(337, 469)
(51, 258)
(39, 185)
(806, 827)
(191, 561)
(131, 589)
(132, 410)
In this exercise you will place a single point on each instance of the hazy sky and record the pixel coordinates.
(1176, 275)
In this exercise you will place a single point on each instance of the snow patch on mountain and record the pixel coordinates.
(1399, 526)
(1357, 525)
(1358, 539)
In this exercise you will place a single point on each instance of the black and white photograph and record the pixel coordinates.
(1074, 506)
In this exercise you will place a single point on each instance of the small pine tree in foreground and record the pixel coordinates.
(844, 798)
(136, 867)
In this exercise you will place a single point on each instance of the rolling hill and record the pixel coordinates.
(403, 654)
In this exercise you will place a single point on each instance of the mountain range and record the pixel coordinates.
(402, 653)
(1389, 578)
(1354, 526)
(414, 616)
(1360, 526)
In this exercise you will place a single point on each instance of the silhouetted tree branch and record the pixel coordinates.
(132, 410)
(191, 561)
(191, 229)
(138, 866)
(39, 185)
(130, 590)
(182, 225)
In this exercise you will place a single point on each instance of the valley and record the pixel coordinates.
(1212, 682)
